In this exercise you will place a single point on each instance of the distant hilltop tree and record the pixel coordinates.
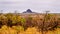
(28, 11)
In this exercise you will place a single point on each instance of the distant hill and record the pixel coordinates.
(28, 11)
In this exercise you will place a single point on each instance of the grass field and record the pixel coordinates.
(33, 30)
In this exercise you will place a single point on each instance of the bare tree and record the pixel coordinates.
(42, 29)
(1, 11)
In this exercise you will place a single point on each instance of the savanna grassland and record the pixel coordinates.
(29, 23)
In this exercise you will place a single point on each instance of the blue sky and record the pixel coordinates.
(35, 5)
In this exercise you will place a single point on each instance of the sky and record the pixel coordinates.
(38, 6)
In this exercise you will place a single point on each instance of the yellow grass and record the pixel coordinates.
(33, 30)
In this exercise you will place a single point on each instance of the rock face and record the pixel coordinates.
(28, 11)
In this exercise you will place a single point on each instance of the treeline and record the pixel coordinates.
(47, 22)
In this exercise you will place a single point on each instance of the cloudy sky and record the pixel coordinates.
(35, 5)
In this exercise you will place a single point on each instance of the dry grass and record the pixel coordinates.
(33, 30)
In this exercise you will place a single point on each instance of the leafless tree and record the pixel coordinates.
(42, 29)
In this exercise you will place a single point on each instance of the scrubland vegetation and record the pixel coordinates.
(29, 24)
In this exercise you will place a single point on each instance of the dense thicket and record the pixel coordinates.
(49, 22)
